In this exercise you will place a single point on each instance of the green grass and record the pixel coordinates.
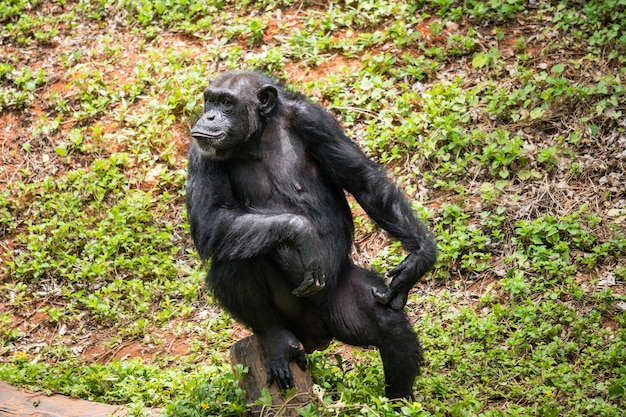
(502, 120)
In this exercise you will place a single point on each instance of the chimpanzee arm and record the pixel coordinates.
(222, 230)
(344, 163)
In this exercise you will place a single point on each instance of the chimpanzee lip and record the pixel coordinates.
(211, 136)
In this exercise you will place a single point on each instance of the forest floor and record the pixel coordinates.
(503, 123)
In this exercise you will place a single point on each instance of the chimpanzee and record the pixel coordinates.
(266, 203)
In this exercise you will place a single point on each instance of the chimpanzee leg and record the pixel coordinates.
(255, 293)
(356, 318)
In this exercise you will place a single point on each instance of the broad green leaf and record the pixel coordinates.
(480, 60)
(558, 68)
(616, 391)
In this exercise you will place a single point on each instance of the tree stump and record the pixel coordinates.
(248, 353)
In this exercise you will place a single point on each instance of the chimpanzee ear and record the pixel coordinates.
(267, 98)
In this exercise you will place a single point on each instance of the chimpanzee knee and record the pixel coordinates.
(357, 319)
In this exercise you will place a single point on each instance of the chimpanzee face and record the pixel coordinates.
(234, 108)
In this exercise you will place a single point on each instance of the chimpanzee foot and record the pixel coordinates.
(281, 348)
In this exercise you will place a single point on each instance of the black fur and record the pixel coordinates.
(266, 203)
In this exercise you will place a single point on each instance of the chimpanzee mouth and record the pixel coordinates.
(213, 137)
(209, 143)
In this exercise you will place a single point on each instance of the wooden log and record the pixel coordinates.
(248, 353)
(15, 402)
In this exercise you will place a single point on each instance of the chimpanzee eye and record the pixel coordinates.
(226, 102)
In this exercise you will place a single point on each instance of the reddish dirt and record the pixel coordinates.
(93, 344)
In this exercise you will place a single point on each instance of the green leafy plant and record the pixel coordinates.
(497, 118)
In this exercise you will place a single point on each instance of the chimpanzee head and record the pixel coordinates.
(236, 106)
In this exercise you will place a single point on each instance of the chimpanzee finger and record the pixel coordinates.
(287, 379)
(312, 288)
(383, 298)
(397, 270)
(303, 289)
(403, 265)
(309, 287)
(270, 376)
(396, 300)
(281, 377)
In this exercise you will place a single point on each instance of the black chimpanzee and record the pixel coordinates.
(266, 203)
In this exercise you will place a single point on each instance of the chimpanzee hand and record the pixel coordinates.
(314, 281)
(309, 248)
(404, 276)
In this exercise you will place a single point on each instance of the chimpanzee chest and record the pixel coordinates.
(285, 187)
(281, 176)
